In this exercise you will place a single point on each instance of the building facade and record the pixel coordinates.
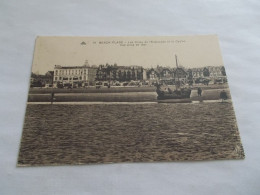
(167, 75)
(120, 73)
(171, 75)
(209, 71)
(74, 76)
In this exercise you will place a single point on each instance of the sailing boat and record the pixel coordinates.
(179, 92)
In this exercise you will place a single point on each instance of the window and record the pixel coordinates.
(56, 72)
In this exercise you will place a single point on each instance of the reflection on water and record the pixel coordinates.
(78, 134)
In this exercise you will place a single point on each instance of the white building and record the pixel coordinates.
(75, 76)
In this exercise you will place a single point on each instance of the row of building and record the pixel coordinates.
(88, 75)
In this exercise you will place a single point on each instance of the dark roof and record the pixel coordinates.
(73, 67)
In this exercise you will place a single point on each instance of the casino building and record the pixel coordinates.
(74, 76)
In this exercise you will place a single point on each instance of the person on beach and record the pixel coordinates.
(170, 91)
(52, 97)
(199, 91)
(223, 95)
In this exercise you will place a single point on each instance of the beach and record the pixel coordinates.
(117, 94)
(127, 125)
(128, 133)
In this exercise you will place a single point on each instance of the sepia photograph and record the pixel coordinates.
(128, 99)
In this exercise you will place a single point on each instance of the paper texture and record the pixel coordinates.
(128, 99)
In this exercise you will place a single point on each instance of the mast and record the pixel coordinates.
(176, 61)
(178, 84)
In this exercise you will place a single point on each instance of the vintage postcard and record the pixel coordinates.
(128, 99)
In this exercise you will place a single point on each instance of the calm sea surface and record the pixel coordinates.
(79, 134)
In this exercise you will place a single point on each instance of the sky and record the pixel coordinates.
(191, 51)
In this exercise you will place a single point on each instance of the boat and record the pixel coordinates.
(165, 93)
